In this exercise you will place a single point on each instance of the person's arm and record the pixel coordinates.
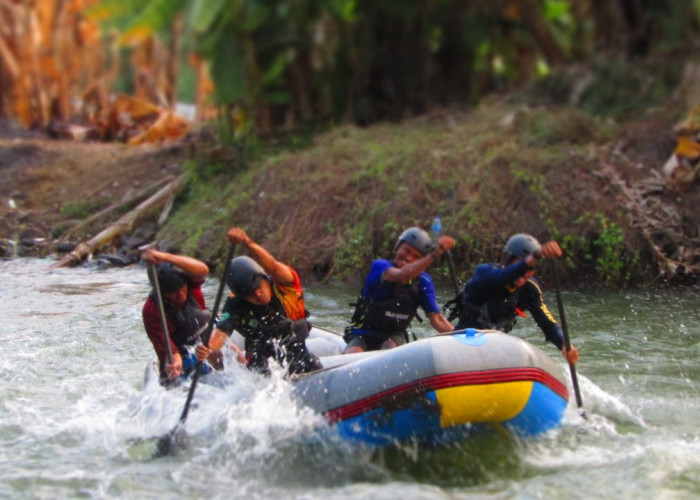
(221, 333)
(549, 250)
(216, 342)
(195, 269)
(572, 355)
(427, 300)
(440, 323)
(174, 370)
(154, 329)
(413, 270)
(279, 271)
(534, 302)
(488, 277)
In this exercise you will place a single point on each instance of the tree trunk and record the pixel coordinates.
(532, 14)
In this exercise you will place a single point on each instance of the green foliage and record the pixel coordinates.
(607, 88)
(620, 89)
(205, 170)
(354, 250)
(158, 14)
(610, 250)
(80, 209)
(339, 201)
(544, 127)
(555, 88)
(605, 249)
(319, 61)
(228, 65)
(205, 13)
(111, 10)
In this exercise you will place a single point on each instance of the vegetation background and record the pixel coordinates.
(324, 127)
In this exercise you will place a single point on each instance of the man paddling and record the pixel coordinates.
(180, 281)
(498, 293)
(267, 308)
(394, 290)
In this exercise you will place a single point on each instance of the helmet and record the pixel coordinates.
(170, 278)
(244, 276)
(418, 239)
(520, 246)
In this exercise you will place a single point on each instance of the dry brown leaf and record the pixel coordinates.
(167, 128)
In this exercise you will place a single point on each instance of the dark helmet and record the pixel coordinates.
(244, 276)
(170, 278)
(520, 246)
(418, 239)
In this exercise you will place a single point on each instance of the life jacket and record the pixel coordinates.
(261, 322)
(190, 323)
(495, 314)
(390, 315)
(269, 332)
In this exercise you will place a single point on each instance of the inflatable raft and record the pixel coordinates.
(435, 390)
(438, 389)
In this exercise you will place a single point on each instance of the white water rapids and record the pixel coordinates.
(77, 422)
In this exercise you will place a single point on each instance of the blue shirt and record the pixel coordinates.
(494, 283)
(376, 288)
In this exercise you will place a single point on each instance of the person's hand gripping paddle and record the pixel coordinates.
(166, 444)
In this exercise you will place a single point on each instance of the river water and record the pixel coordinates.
(77, 420)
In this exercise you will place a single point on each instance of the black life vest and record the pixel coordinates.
(269, 332)
(494, 314)
(190, 323)
(390, 315)
(261, 322)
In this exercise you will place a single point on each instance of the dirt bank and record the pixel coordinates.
(332, 207)
(49, 187)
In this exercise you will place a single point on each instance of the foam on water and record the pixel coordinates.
(78, 421)
(598, 402)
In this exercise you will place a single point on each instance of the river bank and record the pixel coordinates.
(339, 201)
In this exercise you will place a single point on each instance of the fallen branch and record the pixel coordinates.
(108, 210)
(168, 206)
(124, 224)
(667, 266)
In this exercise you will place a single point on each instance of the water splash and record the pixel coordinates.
(597, 404)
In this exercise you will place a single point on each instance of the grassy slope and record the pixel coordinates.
(334, 206)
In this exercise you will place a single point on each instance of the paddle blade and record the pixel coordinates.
(171, 442)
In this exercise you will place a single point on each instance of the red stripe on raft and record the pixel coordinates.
(450, 380)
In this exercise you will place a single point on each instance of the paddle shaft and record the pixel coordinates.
(161, 311)
(451, 265)
(436, 229)
(205, 338)
(565, 331)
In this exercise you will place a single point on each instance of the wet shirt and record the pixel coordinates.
(153, 325)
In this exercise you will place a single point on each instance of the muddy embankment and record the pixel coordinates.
(331, 206)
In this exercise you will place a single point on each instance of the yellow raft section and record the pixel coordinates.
(482, 403)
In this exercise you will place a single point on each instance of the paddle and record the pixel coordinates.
(436, 229)
(165, 443)
(451, 265)
(161, 311)
(567, 342)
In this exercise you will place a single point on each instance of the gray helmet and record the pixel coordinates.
(170, 278)
(244, 276)
(418, 239)
(520, 246)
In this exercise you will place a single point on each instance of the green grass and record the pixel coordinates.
(333, 206)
